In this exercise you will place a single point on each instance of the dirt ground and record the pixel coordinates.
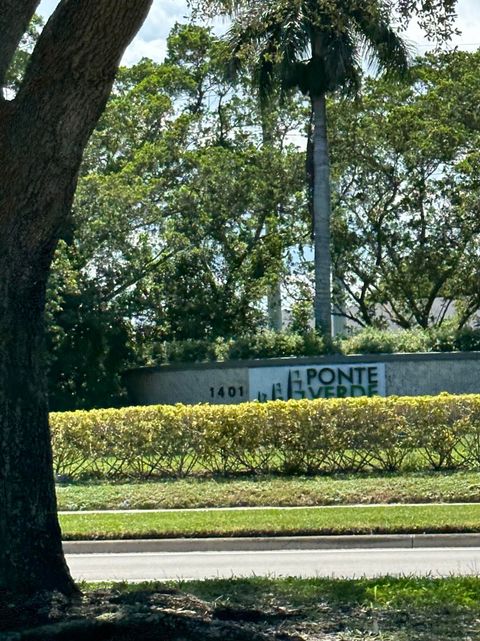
(168, 614)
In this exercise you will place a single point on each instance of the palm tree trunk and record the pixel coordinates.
(321, 217)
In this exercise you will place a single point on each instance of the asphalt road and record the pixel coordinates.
(302, 563)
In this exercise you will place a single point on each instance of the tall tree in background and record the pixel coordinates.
(43, 132)
(317, 47)
(173, 236)
(406, 176)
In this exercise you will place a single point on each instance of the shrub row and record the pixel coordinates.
(296, 437)
(269, 344)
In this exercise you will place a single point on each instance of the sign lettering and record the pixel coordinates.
(311, 382)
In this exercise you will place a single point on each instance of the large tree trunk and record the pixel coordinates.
(43, 133)
(30, 546)
(321, 217)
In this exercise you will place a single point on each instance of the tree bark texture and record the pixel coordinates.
(321, 217)
(43, 133)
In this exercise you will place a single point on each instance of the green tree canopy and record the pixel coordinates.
(406, 168)
(183, 217)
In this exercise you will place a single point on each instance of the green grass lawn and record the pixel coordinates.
(273, 491)
(386, 609)
(265, 522)
(306, 593)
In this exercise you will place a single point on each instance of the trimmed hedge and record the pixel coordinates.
(269, 344)
(295, 437)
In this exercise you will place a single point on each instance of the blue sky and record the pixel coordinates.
(150, 42)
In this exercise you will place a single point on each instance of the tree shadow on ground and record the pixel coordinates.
(257, 609)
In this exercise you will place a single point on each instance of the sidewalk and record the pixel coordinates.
(257, 508)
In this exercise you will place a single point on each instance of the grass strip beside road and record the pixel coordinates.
(434, 487)
(272, 522)
(415, 592)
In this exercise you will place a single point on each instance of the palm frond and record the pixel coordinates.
(343, 68)
(275, 38)
(271, 38)
(382, 45)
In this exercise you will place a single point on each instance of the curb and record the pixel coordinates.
(264, 544)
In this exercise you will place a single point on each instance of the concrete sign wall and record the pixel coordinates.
(320, 377)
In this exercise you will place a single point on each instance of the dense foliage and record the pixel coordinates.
(406, 165)
(297, 437)
(192, 210)
(183, 219)
(269, 344)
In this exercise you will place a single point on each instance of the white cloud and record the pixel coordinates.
(162, 16)
(154, 49)
(46, 7)
(469, 23)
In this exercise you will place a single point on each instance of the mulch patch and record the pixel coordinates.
(160, 615)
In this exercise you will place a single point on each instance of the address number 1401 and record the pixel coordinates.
(226, 392)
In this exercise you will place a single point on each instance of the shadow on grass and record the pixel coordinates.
(257, 609)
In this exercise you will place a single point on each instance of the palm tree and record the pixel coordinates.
(316, 46)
